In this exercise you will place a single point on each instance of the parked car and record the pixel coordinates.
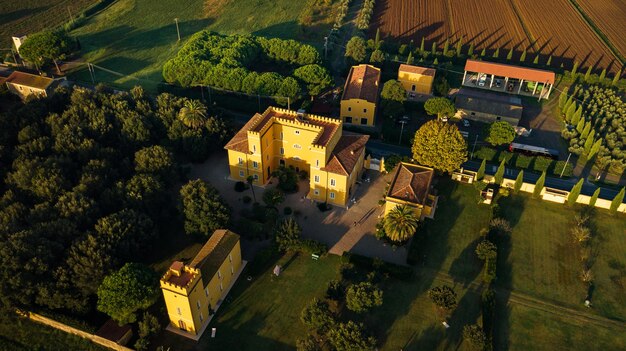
(482, 80)
(498, 83)
(466, 123)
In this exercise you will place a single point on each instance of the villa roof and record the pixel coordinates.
(29, 80)
(240, 141)
(484, 102)
(504, 70)
(425, 71)
(346, 153)
(113, 331)
(362, 83)
(411, 183)
(214, 253)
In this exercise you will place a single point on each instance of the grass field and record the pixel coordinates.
(135, 37)
(28, 16)
(543, 261)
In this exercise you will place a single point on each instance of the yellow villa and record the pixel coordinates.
(193, 292)
(411, 186)
(360, 96)
(278, 138)
(416, 80)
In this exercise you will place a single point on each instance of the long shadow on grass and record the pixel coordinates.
(466, 313)
(465, 268)
(16, 15)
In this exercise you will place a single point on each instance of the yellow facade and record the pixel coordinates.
(358, 112)
(314, 144)
(416, 80)
(420, 210)
(191, 297)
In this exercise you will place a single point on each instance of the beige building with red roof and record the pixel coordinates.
(412, 186)
(416, 80)
(25, 84)
(360, 96)
(333, 159)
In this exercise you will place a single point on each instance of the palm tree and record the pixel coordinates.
(193, 114)
(400, 223)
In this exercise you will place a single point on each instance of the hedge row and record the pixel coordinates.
(534, 163)
(371, 264)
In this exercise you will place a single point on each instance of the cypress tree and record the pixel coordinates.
(549, 61)
(569, 114)
(573, 194)
(616, 78)
(409, 59)
(617, 200)
(446, 46)
(539, 185)
(588, 144)
(499, 176)
(562, 100)
(575, 69)
(483, 52)
(588, 74)
(433, 49)
(577, 116)
(586, 130)
(459, 46)
(509, 56)
(595, 148)
(602, 76)
(481, 170)
(519, 181)
(594, 197)
(436, 62)
(422, 45)
(470, 51)
(496, 53)
(580, 126)
(569, 101)
(536, 60)
(523, 57)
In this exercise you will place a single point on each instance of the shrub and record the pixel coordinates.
(505, 155)
(523, 161)
(485, 153)
(542, 164)
(247, 199)
(392, 160)
(240, 187)
(363, 296)
(312, 246)
(287, 211)
(368, 264)
(558, 167)
(336, 290)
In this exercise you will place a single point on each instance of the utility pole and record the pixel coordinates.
(565, 165)
(325, 47)
(91, 73)
(70, 13)
(402, 122)
(288, 103)
(474, 147)
(177, 29)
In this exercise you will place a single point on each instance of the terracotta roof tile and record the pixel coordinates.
(362, 83)
(214, 253)
(417, 70)
(346, 153)
(411, 183)
(29, 80)
(240, 141)
(503, 70)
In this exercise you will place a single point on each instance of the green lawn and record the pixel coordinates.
(136, 37)
(542, 260)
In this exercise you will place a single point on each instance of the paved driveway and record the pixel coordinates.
(335, 227)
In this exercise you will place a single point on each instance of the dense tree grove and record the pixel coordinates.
(231, 63)
(85, 189)
(597, 116)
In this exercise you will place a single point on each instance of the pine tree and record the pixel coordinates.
(509, 56)
(569, 113)
(499, 176)
(594, 197)
(539, 185)
(617, 201)
(470, 51)
(519, 181)
(409, 59)
(459, 47)
(595, 148)
(483, 52)
(602, 76)
(580, 126)
(422, 46)
(588, 144)
(616, 78)
(588, 74)
(586, 130)
(577, 116)
(481, 170)
(496, 53)
(536, 60)
(446, 46)
(433, 49)
(573, 194)
(562, 100)
(575, 69)
(523, 57)
(549, 61)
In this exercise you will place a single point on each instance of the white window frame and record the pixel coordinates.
(297, 146)
(219, 274)
(297, 132)
(316, 179)
(240, 161)
(282, 150)
(198, 304)
(317, 163)
(254, 148)
(333, 182)
(281, 135)
(255, 176)
(242, 173)
(316, 192)
(230, 257)
(332, 195)
(206, 291)
(255, 164)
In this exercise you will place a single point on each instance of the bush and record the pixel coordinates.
(247, 199)
(505, 155)
(485, 153)
(393, 160)
(312, 247)
(287, 211)
(558, 167)
(369, 264)
(335, 291)
(542, 164)
(240, 187)
(523, 161)
(363, 296)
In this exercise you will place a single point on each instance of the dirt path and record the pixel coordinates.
(346, 32)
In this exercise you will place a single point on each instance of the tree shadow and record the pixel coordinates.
(502, 327)
(466, 313)
(427, 339)
(13, 16)
(465, 268)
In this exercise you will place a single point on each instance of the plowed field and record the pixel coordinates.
(610, 17)
(412, 19)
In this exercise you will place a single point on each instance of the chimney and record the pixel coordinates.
(300, 114)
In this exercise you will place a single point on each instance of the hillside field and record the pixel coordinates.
(133, 38)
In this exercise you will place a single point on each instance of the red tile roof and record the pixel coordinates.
(425, 71)
(411, 183)
(29, 80)
(346, 153)
(211, 256)
(240, 141)
(503, 70)
(113, 331)
(362, 83)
